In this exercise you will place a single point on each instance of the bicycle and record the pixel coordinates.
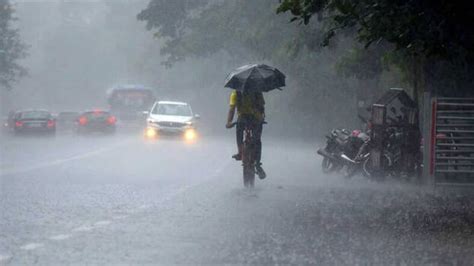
(248, 153)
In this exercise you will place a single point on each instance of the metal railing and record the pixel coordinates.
(454, 141)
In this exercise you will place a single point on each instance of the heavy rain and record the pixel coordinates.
(266, 132)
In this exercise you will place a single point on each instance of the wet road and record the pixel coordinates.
(122, 200)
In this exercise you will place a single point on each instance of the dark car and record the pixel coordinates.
(66, 120)
(9, 122)
(34, 122)
(96, 121)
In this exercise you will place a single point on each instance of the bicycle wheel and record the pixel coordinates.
(248, 164)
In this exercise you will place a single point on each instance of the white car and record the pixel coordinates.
(168, 117)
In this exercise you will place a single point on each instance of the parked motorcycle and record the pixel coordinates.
(354, 159)
(390, 158)
(392, 163)
(341, 143)
(335, 143)
(361, 162)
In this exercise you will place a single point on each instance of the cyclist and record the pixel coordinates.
(250, 110)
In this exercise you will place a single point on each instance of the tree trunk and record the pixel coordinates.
(419, 84)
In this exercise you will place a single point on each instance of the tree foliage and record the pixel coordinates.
(430, 28)
(11, 47)
(169, 17)
(205, 27)
(249, 32)
(432, 39)
(363, 63)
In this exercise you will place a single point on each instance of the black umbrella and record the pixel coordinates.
(255, 78)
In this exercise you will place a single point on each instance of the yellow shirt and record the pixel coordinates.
(248, 106)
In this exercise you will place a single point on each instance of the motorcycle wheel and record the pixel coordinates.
(350, 171)
(329, 165)
(369, 172)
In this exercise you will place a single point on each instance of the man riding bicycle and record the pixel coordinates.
(251, 111)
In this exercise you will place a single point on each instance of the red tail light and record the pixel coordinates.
(51, 123)
(111, 120)
(18, 124)
(82, 120)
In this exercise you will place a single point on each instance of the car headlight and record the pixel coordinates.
(189, 123)
(150, 133)
(190, 134)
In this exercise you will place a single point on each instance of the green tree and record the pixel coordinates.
(439, 28)
(252, 32)
(205, 27)
(11, 48)
(432, 36)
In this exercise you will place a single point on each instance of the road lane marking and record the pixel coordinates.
(32, 246)
(84, 228)
(102, 223)
(184, 188)
(119, 217)
(4, 172)
(60, 237)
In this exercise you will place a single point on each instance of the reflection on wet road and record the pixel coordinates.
(125, 200)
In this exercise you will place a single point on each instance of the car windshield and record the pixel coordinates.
(35, 115)
(173, 109)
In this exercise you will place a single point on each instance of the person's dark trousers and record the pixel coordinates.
(257, 131)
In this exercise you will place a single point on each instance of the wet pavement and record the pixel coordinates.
(122, 200)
